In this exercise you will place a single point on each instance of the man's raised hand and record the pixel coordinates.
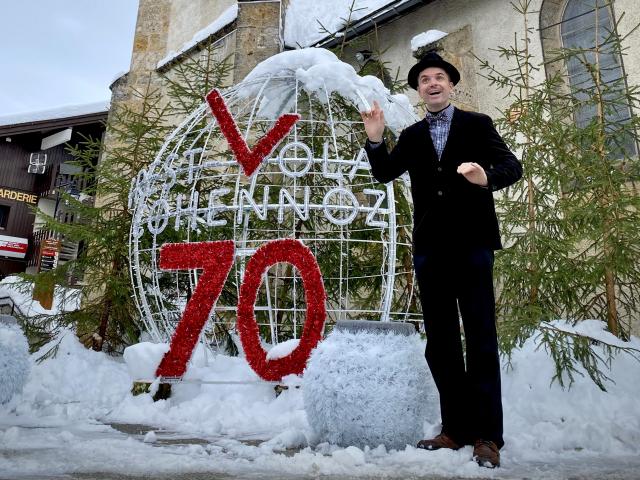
(374, 123)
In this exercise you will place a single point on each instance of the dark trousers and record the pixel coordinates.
(470, 397)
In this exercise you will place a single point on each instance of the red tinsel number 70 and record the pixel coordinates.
(216, 260)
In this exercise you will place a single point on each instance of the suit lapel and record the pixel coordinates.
(425, 134)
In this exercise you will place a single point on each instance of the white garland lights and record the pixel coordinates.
(194, 190)
(367, 387)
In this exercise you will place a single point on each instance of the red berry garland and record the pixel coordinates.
(275, 251)
(248, 159)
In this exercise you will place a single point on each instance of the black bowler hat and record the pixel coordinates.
(432, 59)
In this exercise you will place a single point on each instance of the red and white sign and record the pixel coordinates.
(14, 247)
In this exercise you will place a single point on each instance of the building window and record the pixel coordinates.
(583, 25)
(4, 216)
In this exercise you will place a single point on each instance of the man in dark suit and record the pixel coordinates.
(455, 160)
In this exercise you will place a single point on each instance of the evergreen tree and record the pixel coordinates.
(571, 226)
(135, 132)
(602, 206)
(107, 313)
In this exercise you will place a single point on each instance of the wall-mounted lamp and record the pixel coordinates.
(363, 56)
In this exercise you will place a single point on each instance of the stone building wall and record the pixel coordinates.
(190, 16)
(474, 28)
(165, 26)
(259, 34)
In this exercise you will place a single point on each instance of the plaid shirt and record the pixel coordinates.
(439, 125)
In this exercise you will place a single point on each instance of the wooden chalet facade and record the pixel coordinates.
(34, 169)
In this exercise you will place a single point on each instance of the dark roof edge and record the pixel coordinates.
(44, 125)
(383, 15)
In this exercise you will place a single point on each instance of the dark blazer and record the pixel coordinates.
(448, 210)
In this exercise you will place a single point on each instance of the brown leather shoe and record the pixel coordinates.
(440, 441)
(486, 453)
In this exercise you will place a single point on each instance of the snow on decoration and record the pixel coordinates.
(14, 360)
(320, 73)
(278, 156)
(294, 252)
(283, 349)
(426, 38)
(369, 387)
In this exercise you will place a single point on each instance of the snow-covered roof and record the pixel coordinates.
(66, 111)
(426, 38)
(305, 19)
(227, 17)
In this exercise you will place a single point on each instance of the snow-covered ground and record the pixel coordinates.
(76, 415)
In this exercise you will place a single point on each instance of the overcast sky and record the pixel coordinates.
(62, 52)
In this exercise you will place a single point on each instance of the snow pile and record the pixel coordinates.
(235, 403)
(308, 21)
(426, 38)
(321, 73)
(64, 299)
(59, 424)
(14, 361)
(369, 388)
(227, 17)
(540, 416)
(75, 383)
(143, 358)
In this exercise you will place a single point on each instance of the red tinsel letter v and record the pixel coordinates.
(248, 159)
(215, 259)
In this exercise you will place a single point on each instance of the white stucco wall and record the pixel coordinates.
(493, 24)
(190, 16)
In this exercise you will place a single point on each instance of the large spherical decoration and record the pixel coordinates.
(14, 361)
(369, 387)
(314, 186)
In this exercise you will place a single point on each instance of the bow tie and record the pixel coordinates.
(439, 117)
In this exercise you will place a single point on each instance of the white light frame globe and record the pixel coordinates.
(350, 193)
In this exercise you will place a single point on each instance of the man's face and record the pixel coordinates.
(435, 88)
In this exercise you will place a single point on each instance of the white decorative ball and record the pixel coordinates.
(368, 383)
(14, 360)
